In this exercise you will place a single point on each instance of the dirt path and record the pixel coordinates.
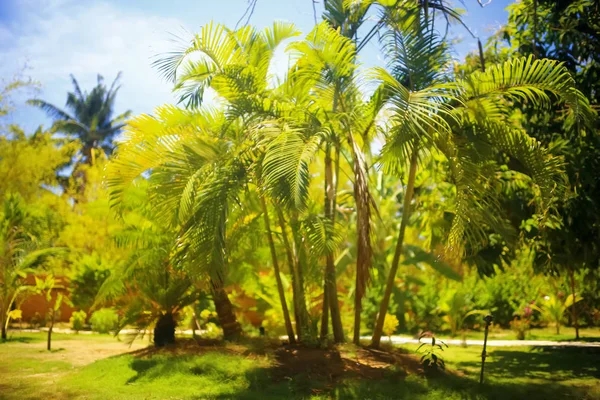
(74, 351)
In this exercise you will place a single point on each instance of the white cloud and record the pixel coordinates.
(58, 37)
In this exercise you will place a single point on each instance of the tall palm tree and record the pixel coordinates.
(327, 66)
(467, 121)
(88, 117)
(236, 65)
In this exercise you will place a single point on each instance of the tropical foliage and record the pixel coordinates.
(326, 201)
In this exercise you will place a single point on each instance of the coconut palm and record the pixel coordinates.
(466, 120)
(88, 117)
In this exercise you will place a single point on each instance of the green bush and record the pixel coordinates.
(77, 320)
(104, 320)
(212, 331)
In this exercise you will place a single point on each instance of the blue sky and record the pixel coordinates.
(55, 38)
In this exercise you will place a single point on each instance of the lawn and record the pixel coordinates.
(548, 333)
(100, 367)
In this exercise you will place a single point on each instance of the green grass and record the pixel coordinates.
(27, 371)
(41, 337)
(547, 333)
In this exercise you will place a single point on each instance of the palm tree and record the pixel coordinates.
(20, 255)
(236, 64)
(196, 179)
(88, 116)
(151, 284)
(466, 120)
(327, 67)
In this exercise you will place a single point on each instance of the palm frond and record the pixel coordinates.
(285, 166)
(51, 110)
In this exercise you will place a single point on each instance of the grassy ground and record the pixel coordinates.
(547, 333)
(93, 367)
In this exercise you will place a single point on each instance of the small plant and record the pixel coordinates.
(45, 287)
(37, 321)
(77, 320)
(212, 331)
(522, 323)
(390, 324)
(553, 309)
(104, 320)
(520, 326)
(431, 358)
(207, 316)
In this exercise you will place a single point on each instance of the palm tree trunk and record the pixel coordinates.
(363, 227)
(334, 306)
(573, 307)
(299, 252)
(357, 311)
(164, 331)
(325, 312)
(410, 186)
(284, 308)
(300, 311)
(231, 327)
(3, 320)
(330, 301)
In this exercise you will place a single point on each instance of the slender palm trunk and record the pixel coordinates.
(299, 251)
(336, 318)
(573, 307)
(325, 313)
(330, 302)
(357, 311)
(410, 186)
(231, 327)
(300, 311)
(284, 308)
(363, 228)
(3, 320)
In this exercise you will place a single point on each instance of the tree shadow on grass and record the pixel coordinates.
(19, 339)
(550, 363)
(510, 374)
(592, 339)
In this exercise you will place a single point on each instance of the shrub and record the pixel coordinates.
(87, 282)
(37, 321)
(390, 324)
(77, 320)
(520, 326)
(431, 358)
(104, 320)
(212, 331)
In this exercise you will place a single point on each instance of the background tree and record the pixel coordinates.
(20, 255)
(569, 32)
(88, 116)
(466, 120)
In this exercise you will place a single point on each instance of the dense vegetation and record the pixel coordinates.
(332, 202)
